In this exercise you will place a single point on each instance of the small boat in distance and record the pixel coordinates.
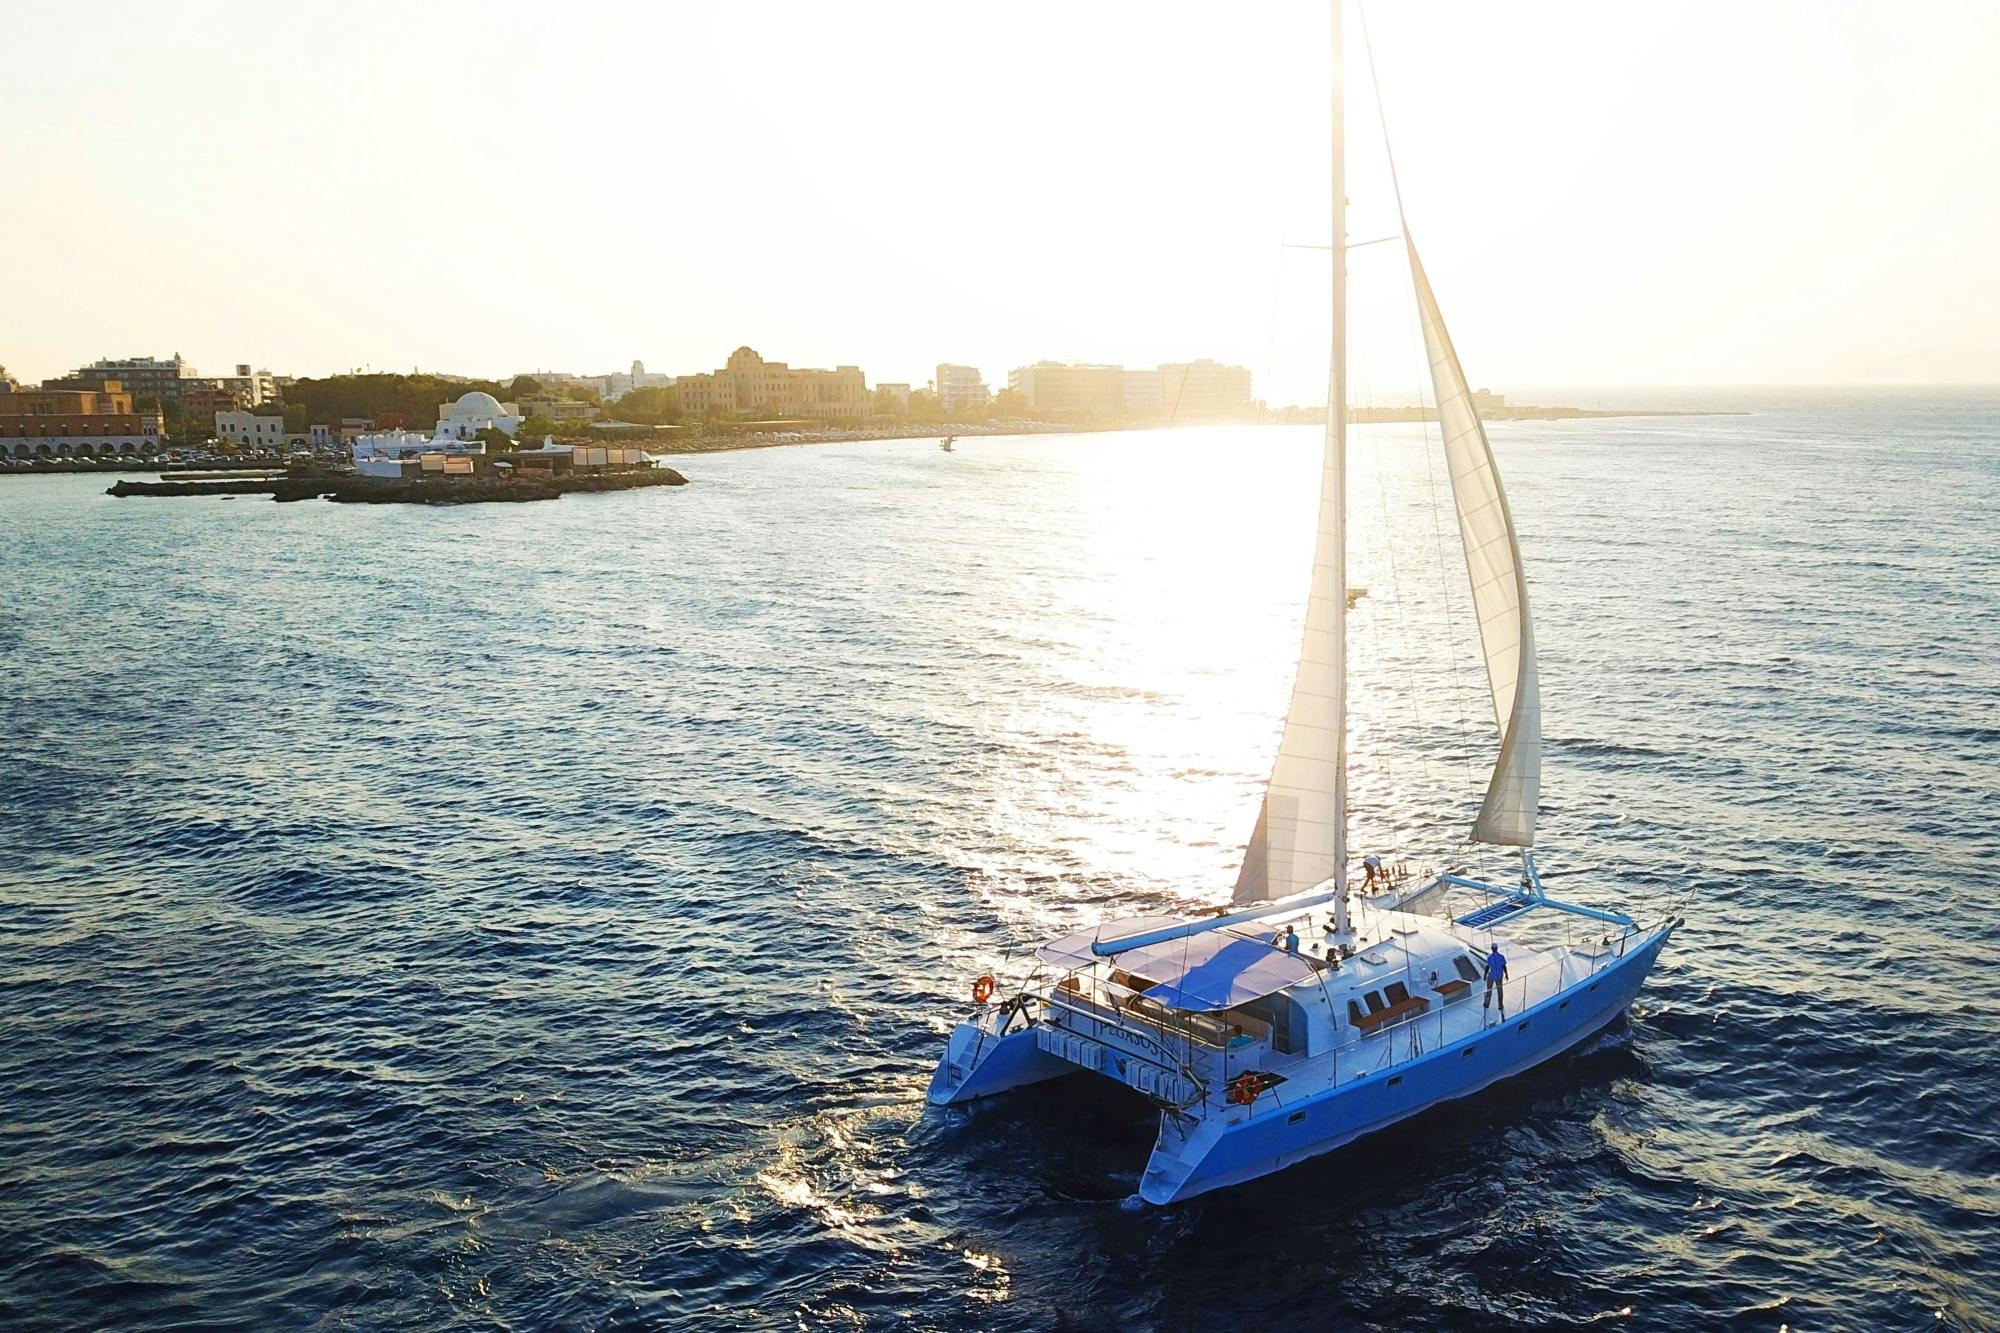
(1265, 1034)
(946, 443)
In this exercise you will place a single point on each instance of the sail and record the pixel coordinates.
(1300, 838)
(1499, 591)
(1300, 835)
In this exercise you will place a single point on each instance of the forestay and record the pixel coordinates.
(1499, 591)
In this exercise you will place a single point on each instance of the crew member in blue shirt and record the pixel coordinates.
(1291, 940)
(1496, 973)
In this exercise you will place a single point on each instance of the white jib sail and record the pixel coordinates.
(1499, 592)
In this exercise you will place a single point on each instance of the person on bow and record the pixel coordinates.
(1496, 976)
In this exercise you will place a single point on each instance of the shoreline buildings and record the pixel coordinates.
(1178, 391)
(69, 423)
(960, 386)
(474, 412)
(750, 384)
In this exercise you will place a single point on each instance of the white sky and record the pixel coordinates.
(1790, 191)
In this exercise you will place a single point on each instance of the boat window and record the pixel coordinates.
(1354, 1013)
(1397, 992)
(1465, 966)
(1374, 999)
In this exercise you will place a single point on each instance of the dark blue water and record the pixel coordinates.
(549, 918)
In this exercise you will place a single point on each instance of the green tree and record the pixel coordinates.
(494, 438)
(295, 418)
(534, 428)
(524, 386)
(1009, 403)
(649, 407)
(924, 406)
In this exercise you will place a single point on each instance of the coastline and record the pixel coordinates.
(666, 440)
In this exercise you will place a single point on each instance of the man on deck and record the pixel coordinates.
(1496, 974)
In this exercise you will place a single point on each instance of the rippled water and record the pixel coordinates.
(479, 919)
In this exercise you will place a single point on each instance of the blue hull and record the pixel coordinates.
(1283, 1130)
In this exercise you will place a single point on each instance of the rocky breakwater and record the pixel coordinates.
(416, 490)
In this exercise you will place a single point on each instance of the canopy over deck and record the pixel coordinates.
(1074, 950)
(1215, 970)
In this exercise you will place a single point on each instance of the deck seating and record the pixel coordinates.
(1404, 1008)
(1453, 991)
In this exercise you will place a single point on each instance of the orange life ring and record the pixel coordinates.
(982, 990)
(1243, 1089)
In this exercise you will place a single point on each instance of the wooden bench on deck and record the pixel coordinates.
(1453, 990)
(1367, 1022)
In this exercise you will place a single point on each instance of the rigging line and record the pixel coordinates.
(1271, 331)
(1352, 245)
(1423, 361)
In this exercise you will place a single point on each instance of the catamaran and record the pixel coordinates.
(1259, 1049)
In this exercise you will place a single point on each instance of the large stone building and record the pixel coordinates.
(751, 386)
(72, 423)
(1191, 390)
(960, 386)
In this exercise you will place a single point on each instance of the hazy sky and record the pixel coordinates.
(1616, 194)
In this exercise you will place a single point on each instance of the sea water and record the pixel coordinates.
(548, 915)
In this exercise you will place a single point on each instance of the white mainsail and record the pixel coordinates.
(1499, 591)
(1301, 834)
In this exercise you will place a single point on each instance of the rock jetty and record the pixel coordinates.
(416, 491)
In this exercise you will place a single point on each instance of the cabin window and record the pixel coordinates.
(1374, 1001)
(1465, 967)
(1397, 992)
(1295, 1117)
(1394, 1081)
(1354, 1013)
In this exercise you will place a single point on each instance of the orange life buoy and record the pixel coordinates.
(1243, 1089)
(982, 990)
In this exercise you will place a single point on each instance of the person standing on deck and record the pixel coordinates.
(1496, 974)
(1291, 940)
(1372, 872)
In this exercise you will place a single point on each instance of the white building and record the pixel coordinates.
(474, 412)
(389, 453)
(960, 386)
(250, 430)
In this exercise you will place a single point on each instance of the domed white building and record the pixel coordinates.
(474, 412)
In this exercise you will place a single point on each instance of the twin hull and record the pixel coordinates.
(1225, 1145)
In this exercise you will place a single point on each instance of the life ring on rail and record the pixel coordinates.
(982, 990)
(1243, 1089)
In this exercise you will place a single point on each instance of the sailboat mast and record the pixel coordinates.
(1336, 448)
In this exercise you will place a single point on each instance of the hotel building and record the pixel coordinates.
(960, 386)
(1191, 390)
